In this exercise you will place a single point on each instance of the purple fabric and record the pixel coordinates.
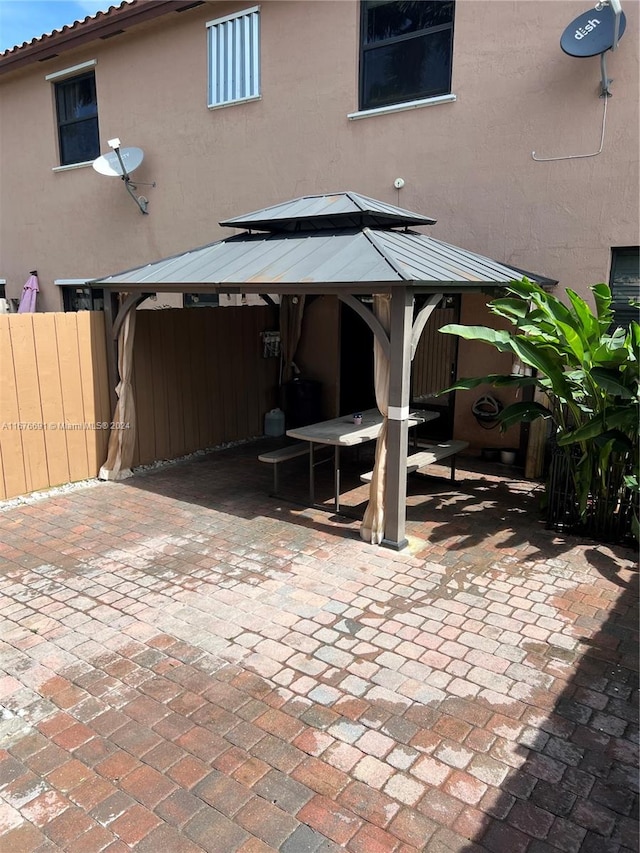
(29, 294)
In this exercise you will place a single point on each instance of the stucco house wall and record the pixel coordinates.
(467, 163)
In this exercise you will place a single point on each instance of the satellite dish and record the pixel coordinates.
(593, 32)
(111, 164)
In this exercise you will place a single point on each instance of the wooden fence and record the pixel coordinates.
(200, 379)
(54, 400)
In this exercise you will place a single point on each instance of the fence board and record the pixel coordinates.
(200, 379)
(72, 396)
(92, 414)
(52, 370)
(173, 364)
(14, 478)
(200, 374)
(184, 345)
(147, 418)
(243, 387)
(29, 403)
(227, 361)
(215, 352)
(102, 398)
(158, 360)
(3, 491)
(50, 387)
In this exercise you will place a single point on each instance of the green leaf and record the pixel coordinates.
(611, 352)
(615, 441)
(609, 381)
(585, 432)
(501, 340)
(525, 411)
(496, 379)
(524, 288)
(633, 339)
(464, 384)
(582, 311)
(631, 482)
(541, 359)
(624, 418)
(512, 309)
(602, 295)
(574, 341)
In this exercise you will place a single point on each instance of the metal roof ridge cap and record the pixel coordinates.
(350, 195)
(372, 238)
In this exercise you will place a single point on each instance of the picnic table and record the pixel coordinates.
(343, 432)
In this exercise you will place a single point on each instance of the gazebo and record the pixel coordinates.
(343, 244)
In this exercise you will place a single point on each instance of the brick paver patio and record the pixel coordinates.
(189, 665)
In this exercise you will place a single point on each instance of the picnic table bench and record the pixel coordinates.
(427, 455)
(283, 454)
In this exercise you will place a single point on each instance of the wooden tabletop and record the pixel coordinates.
(343, 432)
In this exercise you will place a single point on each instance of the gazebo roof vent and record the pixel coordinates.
(328, 212)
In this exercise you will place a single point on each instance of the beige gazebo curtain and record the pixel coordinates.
(123, 434)
(372, 527)
(291, 311)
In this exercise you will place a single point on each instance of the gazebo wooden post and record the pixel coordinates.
(110, 313)
(397, 435)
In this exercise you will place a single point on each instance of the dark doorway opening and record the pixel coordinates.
(433, 369)
(357, 390)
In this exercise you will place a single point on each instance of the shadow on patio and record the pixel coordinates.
(558, 754)
(192, 666)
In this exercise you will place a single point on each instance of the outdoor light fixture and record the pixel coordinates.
(120, 164)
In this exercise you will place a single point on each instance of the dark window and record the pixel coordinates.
(406, 51)
(201, 300)
(625, 284)
(82, 299)
(77, 112)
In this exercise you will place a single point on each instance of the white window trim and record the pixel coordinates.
(71, 166)
(234, 103)
(407, 105)
(233, 16)
(73, 69)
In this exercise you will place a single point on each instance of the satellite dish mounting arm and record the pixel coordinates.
(141, 201)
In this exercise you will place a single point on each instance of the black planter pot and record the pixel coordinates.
(610, 510)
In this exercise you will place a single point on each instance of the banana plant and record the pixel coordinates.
(589, 373)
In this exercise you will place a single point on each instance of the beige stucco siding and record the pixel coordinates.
(466, 163)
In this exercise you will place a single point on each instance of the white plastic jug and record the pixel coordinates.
(274, 422)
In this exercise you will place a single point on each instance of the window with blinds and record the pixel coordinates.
(625, 284)
(77, 113)
(234, 58)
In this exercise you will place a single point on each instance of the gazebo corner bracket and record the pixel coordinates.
(369, 318)
(132, 301)
(421, 321)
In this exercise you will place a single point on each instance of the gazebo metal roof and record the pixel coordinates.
(339, 210)
(344, 244)
(328, 243)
